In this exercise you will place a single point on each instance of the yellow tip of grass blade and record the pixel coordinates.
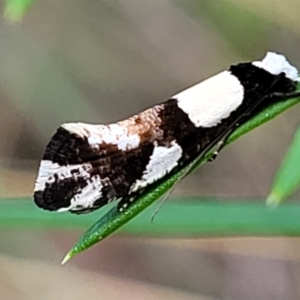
(66, 258)
(273, 200)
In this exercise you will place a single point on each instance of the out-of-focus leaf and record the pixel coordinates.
(287, 178)
(14, 10)
(114, 219)
(185, 217)
(217, 13)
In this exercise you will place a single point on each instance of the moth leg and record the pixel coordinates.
(221, 144)
(286, 95)
(164, 198)
(216, 152)
(126, 202)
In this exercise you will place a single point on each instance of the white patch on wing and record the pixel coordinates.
(86, 197)
(48, 169)
(277, 63)
(162, 161)
(212, 100)
(114, 134)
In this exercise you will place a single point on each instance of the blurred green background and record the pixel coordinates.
(102, 61)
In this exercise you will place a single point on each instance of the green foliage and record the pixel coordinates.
(287, 179)
(14, 10)
(183, 217)
(217, 12)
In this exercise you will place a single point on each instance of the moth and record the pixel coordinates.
(86, 166)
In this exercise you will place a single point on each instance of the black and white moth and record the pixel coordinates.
(86, 166)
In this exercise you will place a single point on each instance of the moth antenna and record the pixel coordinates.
(163, 200)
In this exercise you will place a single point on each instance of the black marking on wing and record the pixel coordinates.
(64, 148)
(58, 194)
(258, 82)
(123, 169)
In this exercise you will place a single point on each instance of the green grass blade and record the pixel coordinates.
(114, 220)
(14, 10)
(287, 178)
(215, 218)
(23, 213)
(185, 217)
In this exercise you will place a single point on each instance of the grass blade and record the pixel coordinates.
(14, 10)
(287, 178)
(185, 217)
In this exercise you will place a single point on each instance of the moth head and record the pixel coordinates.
(277, 63)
